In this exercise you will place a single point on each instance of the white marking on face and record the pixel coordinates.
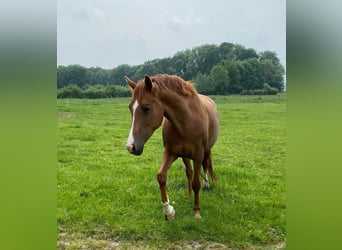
(130, 139)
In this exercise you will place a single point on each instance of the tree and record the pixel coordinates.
(208, 56)
(219, 77)
(273, 71)
(179, 61)
(251, 74)
(116, 75)
(61, 76)
(226, 50)
(203, 84)
(240, 53)
(73, 74)
(227, 68)
(234, 77)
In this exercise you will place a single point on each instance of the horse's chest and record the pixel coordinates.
(183, 147)
(183, 150)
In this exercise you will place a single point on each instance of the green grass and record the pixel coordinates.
(106, 194)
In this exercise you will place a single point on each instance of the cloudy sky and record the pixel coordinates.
(107, 33)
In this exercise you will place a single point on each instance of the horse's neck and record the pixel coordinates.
(179, 110)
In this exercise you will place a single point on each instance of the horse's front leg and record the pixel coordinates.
(168, 158)
(196, 186)
(188, 170)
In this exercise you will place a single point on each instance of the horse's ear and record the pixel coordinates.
(148, 82)
(130, 82)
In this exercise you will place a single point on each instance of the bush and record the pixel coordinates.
(259, 92)
(267, 90)
(270, 90)
(70, 91)
(93, 92)
(247, 92)
(118, 91)
(235, 89)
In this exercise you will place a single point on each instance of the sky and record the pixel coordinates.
(108, 33)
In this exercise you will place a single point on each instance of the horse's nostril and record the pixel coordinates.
(130, 147)
(133, 149)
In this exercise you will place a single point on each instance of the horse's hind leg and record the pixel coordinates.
(168, 158)
(207, 166)
(189, 174)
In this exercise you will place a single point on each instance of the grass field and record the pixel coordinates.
(107, 197)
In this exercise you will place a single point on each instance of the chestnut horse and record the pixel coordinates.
(190, 129)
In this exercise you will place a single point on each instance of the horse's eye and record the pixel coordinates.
(146, 108)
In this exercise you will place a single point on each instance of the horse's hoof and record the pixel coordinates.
(197, 215)
(171, 216)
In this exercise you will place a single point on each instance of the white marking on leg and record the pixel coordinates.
(169, 211)
(206, 183)
(130, 139)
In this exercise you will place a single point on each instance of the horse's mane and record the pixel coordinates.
(174, 84)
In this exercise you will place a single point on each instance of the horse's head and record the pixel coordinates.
(147, 114)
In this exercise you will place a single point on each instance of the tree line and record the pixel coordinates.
(214, 69)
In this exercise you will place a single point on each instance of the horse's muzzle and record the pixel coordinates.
(134, 149)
